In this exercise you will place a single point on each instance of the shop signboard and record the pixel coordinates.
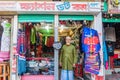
(8, 6)
(59, 6)
(114, 6)
(43, 6)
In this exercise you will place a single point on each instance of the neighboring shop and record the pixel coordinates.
(39, 25)
(111, 22)
(6, 29)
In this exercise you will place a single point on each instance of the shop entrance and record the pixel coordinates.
(75, 29)
(35, 47)
(35, 44)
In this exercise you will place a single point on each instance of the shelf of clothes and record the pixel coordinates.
(36, 66)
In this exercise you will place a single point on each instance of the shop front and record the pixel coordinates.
(111, 21)
(39, 25)
(6, 30)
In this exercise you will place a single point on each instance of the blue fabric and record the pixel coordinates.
(67, 75)
(21, 65)
(105, 54)
(92, 65)
(88, 32)
(91, 47)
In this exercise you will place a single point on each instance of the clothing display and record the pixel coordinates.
(5, 39)
(110, 34)
(1, 32)
(91, 47)
(90, 40)
(110, 49)
(21, 65)
(30, 48)
(21, 42)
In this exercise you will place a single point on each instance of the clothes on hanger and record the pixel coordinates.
(110, 34)
(91, 47)
(21, 65)
(5, 39)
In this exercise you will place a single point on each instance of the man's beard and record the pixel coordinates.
(67, 43)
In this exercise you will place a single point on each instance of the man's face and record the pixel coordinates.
(68, 40)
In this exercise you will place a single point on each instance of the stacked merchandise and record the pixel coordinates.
(31, 48)
(40, 66)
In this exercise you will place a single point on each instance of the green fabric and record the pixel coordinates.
(68, 57)
(8, 25)
(33, 36)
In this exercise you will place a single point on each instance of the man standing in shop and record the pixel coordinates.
(68, 58)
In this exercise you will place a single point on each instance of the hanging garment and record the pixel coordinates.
(105, 55)
(5, 39)
(110, 49)
(110, 34)
(27, 35)
(90, 40)
(1, 32)
(50, 41)
(92, 63)
(21, 65)
(91, 47)
(37, 39)
(33, 35)
(21, 42)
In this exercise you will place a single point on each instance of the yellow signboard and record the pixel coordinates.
(114, 6)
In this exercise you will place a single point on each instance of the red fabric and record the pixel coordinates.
(92, 41)
(37, 77)
(50, 41)
(39, 51)
(111, 60)
(78, 70)
(99, 78)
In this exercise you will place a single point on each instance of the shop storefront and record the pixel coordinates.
(6, 30)
(111, 21)
(45, 19)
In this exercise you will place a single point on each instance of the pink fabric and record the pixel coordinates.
(37, 77)
(4, 55)
(107, 65)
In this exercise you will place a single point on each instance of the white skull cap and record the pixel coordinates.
(68, 37)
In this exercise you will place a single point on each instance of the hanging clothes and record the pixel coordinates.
(110, 48)
(37, 38)
(50, 41)
(90, 40)
(110, 34)
(1, 32)
(105, 53)
(21, 65)
(21, 42)
(91, 47)
(5, 39)
(27, 35)
(33, 35)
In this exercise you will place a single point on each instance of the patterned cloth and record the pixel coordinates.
(5, 40)
(91, 47)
